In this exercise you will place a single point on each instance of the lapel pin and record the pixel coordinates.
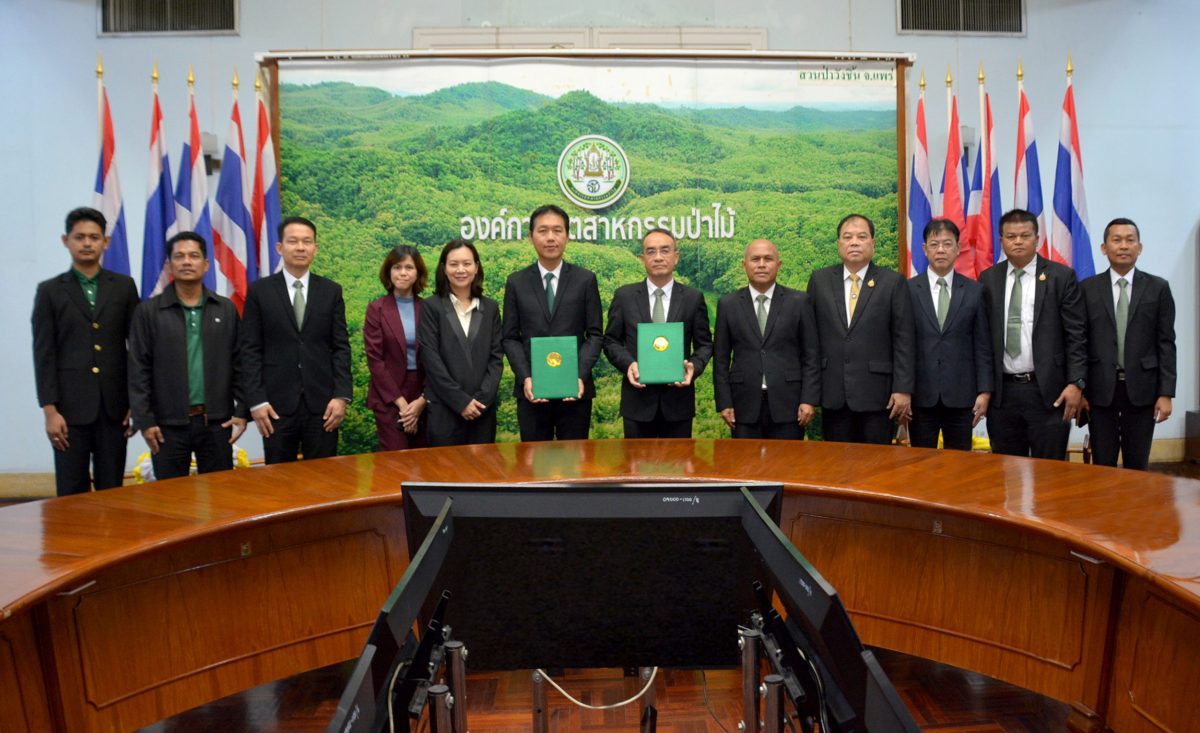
(870, 283)
(218, 320)
(1042, 277)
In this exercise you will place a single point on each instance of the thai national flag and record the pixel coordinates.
(1069, 240)
(108, 193)
(920, 197)
(160, 209)
(191, 190)
(264, 203)
(953, 201)
(1028, 191)
(983, 208)
(232, 231)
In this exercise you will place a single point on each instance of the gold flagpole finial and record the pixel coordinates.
(922, 80)
(1020, 70)
(257, 82)
(949, 78)
(191, 77)
(154, 73)
(235, 80)
(980, 72)
(1070, 67)
(99, 67)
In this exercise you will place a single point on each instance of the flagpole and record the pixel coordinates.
(100, 99)
(949, 95)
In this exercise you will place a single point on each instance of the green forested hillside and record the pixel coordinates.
(375, 170)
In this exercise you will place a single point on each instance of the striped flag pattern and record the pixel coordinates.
(191, 189)
(1027, 193)
(920, 196)
(232, 231)
(1070, 240)
(160, 208)
(264, 203)
(108, 192)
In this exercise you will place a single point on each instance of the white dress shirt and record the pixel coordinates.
(557, 272)
(1024, 361)
(666, 298)
(1116, 289)
(933, 286)
(290, 281)
(770, 293)
(464, 312)
(862, 283)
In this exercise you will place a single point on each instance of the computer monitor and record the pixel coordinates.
(595, 575)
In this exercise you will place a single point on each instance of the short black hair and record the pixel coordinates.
(940, 225)
(397, 255)
(1018, 216)
(187, 237)
(85, 213)
(548, 209)
(1122, 221)
(849, 217)
(295, 220)
(442, 283)
(660, 230)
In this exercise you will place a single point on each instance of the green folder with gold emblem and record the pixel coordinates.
(555, 366)
(660, 353)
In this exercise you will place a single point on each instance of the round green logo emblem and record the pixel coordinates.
(593, 171)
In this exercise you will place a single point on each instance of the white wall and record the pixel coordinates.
(1136, 94)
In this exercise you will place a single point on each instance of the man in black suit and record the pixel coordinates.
(296, 352)
(552, 298)
(865, 322)
(1131, 351)
(954, 346)
(80, 322)
(185, 381)
(658, 410)
(766, 368)
(1039, 343)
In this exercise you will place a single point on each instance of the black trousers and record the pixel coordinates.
(554, 420)
(659, 427)
(764, 428)
(1025, 426)
(447, 427)
(1122, 427)
(848, 426)
(208, 440)
(954, 423)
(299, 432)
(98, 449)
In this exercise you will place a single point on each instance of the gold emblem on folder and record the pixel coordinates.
(661, 343)
(554, 359)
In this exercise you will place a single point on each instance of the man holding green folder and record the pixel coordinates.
(552, 334)
(658, 336)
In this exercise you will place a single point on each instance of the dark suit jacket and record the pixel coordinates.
(386, 346)
(292, 368)
(1059, 323)
(954, 362)
(576, 313)
(1149, 340)
(861, 366)
(460, 367)
(158, 375)
(788, 354)
(79, 357)
(630, 306)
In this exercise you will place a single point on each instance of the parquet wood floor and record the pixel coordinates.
(941, 698)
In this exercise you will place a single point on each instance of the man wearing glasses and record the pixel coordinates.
(1038, 325)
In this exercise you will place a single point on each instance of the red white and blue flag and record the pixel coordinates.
(1028, 190)
(264, 203)
(983, 206)
(232, 230)
(160, 208)
(108, 193)
(920, 196)
(953, 178)
(1069, 239)
(191, 190)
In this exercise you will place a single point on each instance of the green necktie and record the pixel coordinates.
(762, 313)
(657, 315)
(943, 302)
(1012, 335)
(549, 291)
(298, 303)
(1122, 320)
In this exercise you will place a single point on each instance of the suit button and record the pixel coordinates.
(96, 325)
(95, 370)
(97, 347)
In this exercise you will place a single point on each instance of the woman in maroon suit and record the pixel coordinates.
(396, 392)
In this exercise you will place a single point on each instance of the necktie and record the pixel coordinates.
(1012, 334)
(943, 302)
(1122, 319)
(298, 303)
(657, 314)
(853, 296)
(762, 313)
(550, 291)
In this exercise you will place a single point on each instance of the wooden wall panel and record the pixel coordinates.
(22, 686)
(303, 594)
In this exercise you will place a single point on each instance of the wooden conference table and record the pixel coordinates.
(123, 607)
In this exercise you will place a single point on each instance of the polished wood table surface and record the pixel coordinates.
(123, 607)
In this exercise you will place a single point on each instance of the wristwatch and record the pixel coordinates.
(1080, 383)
